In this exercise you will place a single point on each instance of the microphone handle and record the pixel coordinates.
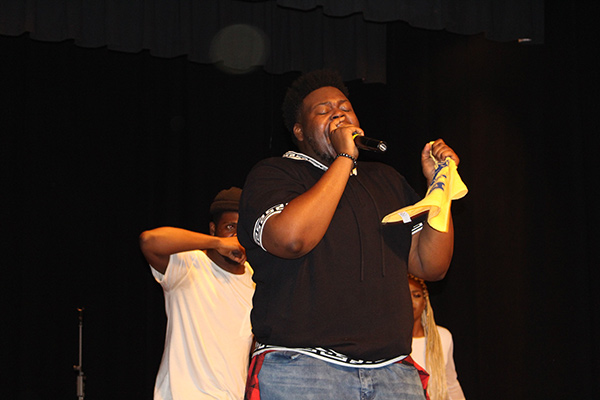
(370, 144)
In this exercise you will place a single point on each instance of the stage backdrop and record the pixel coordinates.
(282, 35)
(97, 145)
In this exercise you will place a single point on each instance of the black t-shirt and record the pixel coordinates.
(350, 293)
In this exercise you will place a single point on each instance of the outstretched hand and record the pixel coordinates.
(440, 151)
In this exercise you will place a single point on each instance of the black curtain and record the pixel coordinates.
(282, 36)
(97, 145)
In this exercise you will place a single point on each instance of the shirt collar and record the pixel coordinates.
(301, 156)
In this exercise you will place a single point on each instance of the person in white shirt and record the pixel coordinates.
(432, 346)
(208, 292)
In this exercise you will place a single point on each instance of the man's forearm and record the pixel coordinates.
(303, 222)
(158, 244)
(434, 251)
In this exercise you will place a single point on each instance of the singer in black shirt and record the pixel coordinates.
(332, 313)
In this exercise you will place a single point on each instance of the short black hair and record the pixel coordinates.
(302, 87)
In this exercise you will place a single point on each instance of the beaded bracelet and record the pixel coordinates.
(347, 156)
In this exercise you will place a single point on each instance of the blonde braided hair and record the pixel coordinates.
(434, 356)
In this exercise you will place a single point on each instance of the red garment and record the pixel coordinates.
(424, 375)
(252, 389)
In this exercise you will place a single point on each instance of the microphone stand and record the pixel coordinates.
(80, 374)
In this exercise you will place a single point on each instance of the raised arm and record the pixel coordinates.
(158, 244)
(303, 222)
(431, 251)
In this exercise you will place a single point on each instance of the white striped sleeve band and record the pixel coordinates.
(260, 223)
(417, 228)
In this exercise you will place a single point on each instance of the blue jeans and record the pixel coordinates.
(289, 375)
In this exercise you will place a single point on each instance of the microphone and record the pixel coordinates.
(367, 143)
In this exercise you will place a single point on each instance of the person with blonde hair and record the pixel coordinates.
(432, 346)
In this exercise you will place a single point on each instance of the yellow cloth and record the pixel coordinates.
(445, 187)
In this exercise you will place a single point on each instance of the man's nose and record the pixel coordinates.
(338, 114)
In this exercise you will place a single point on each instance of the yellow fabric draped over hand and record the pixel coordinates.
(445, 187)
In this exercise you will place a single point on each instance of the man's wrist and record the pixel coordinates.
(347, 156)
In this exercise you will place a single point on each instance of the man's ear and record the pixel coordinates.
(212, 228)
(298, 132)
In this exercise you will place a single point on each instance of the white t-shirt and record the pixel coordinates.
(209, 335)
(418, 354)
